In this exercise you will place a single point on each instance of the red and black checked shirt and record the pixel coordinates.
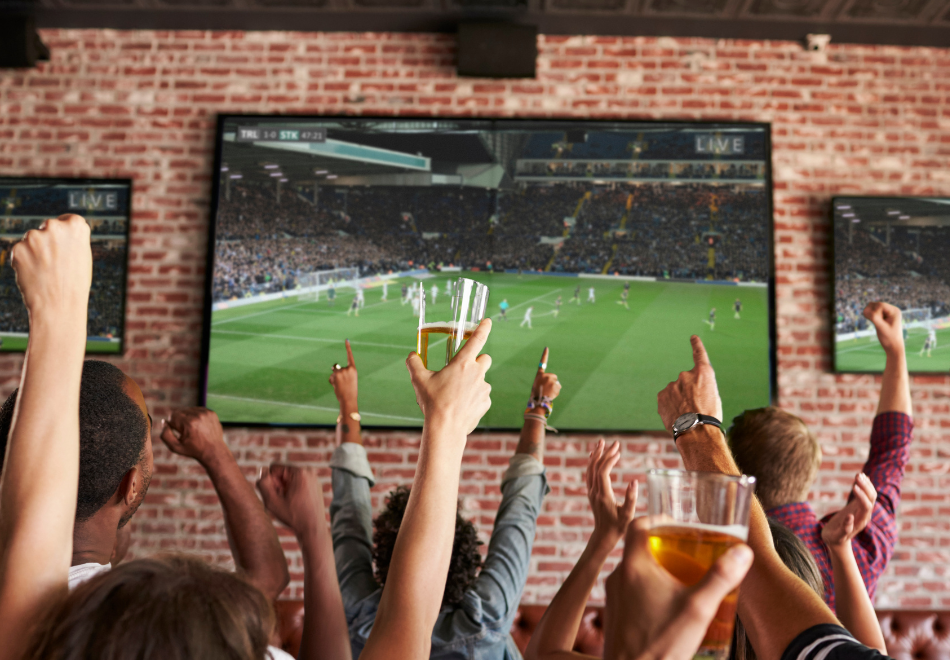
(873, 547)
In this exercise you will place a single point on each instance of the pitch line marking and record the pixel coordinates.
(316, 339)
(310, 407)
(527, 302)
(267, 311)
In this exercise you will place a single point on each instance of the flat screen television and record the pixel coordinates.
(25, 202)
(893, 249)
(623, 238)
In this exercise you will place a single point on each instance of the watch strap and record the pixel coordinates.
(700, 419)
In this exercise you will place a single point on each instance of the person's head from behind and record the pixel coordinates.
(798, 559)
(175, 608)
(115, 447)
(466, 559)
(779, 450)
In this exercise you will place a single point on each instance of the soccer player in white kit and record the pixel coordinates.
(590, 295)
(360, 298)
(435, 293)
(930, 343)
(415, 301)
(385, 290)
(527, 318)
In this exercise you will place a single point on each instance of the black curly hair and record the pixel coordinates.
(466, 559)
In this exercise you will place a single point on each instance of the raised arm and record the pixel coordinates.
(197, 433)
(345, 387)
(351, 510)
(40, 480)
(452, 401)
(852, 603)
(295, 497)
(895, 385)
(771, 629)
(556, 633)
(544, 390)
(501, 581)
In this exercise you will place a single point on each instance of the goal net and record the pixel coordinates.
(917, 320)
(310, 285)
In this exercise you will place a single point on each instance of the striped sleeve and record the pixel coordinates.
(829, 642)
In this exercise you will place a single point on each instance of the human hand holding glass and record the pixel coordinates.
(467, 309)
(696, 518)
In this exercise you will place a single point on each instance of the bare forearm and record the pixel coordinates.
(853, 605)
(36, 515)
(251, 534)
(409, 605)
(532, 438)
(349, 428)
(895, 385)
(557, 631)
(770, 629)
(325, 633)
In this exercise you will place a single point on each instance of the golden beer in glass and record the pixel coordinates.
(466, 310)
(695, 518)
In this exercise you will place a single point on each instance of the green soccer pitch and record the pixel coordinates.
(866, 355)
(269, 362)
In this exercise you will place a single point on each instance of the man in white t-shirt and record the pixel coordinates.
(115, 456)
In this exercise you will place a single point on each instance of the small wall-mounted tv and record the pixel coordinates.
(892, 249)
(623, 238)
(25, 203)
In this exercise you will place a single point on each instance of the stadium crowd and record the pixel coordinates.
(263, 246)
(910, 271)
(413, 583)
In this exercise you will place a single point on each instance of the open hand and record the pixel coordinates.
(545, 384)
(344, 382)
(294, 496)
(887, 321)
(194, 432)
(610, 519)
(854, 517)
(695, 391)
(53, 266)
(671, 619)
(456, 397)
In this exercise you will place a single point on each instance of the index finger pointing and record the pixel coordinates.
(477, 341)
(544, 361)
(349, 355)
(699, 352)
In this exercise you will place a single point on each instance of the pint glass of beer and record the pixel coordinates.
(465, 311)
(695, 517)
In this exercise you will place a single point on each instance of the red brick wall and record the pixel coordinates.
(853, 120)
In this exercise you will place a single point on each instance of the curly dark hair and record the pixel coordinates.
(466, 559)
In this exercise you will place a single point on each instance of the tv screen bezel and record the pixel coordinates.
(549, 123)
(833, 291)
(89, 181)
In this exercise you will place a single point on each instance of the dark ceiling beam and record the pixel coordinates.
(555, 23)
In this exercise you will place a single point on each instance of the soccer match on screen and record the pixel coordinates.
(26, 204)
(609, 243)
(892, 249)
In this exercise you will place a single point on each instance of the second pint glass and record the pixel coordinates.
(466, 310)
(695, 517)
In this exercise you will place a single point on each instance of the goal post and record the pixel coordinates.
(917, 319)
(309, 285)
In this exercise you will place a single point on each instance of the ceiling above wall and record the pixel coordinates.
(903, 22)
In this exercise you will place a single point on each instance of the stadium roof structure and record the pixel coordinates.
(893, 211)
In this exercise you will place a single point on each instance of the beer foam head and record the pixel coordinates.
(740, 532)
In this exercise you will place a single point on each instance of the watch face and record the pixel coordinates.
(685, 421)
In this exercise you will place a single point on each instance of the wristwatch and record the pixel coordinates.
(355, 416)
(685, 422)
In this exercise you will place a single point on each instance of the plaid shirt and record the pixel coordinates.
(873, 547)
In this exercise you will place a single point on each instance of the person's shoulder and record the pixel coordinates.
(829, 642)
